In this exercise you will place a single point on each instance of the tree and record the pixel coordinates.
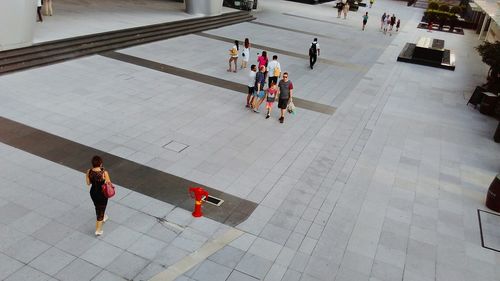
(490, 53)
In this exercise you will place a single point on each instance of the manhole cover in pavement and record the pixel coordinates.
(175, 146)
(489, 225)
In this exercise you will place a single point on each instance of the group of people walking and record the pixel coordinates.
(387, 23)
(265, 72)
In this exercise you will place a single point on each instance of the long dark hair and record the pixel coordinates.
(247, 43)
(237, 44)
(264, 54)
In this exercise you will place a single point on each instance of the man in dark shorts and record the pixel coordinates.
(251, 85)
(285, 95)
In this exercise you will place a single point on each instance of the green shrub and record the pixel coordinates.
(433, 5)
(444, 7)
(434, 15)
(456, 10)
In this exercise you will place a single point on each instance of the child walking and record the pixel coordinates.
(272, 92)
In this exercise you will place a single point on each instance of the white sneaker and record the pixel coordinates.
(105, 218)
(99, 233)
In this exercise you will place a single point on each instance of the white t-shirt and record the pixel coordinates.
(270, 67)
(251, 79)
(39, 3)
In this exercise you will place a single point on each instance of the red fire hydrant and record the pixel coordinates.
(197, 193)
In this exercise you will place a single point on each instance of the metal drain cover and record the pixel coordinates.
(489, 225)
(175, 146)
(213, 200)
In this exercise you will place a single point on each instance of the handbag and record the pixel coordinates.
(291, 108)
(108, 190)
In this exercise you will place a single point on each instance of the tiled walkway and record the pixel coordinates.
(75, 18)
(386, 188)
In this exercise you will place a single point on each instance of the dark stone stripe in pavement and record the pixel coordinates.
(310, 33)
(313, 19)
(294, 30)
(214, 81)
(142, 179)
(350, 66)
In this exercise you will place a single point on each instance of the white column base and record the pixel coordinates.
(17, 23)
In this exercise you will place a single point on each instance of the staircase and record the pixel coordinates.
(70, 48)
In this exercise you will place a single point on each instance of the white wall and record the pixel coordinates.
(17, 23)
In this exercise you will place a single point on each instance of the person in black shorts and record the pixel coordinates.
(285, 95)
(251, 85)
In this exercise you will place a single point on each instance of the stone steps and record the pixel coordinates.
(70, 48)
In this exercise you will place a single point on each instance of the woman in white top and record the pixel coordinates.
(233, 56)
(39, 10)
(245, 54)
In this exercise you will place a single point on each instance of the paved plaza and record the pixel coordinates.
(384, 185)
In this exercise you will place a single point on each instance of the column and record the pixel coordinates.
(17, 23)
(203, 7)
(484, 26)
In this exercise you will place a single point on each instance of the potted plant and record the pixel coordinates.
(490, 53)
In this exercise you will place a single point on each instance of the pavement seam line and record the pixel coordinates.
(207, 79)
(338, 40)
(350, 66)
(193, 259)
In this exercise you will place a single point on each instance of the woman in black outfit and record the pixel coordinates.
(96, 177)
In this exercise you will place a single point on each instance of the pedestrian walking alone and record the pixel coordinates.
(245, 55)
(285, 95)
(96, 177)
(271, 94)
(251, 85)
(398, 24)
(39, 10)
(313, 52)
(365, 20)
(233, 56)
